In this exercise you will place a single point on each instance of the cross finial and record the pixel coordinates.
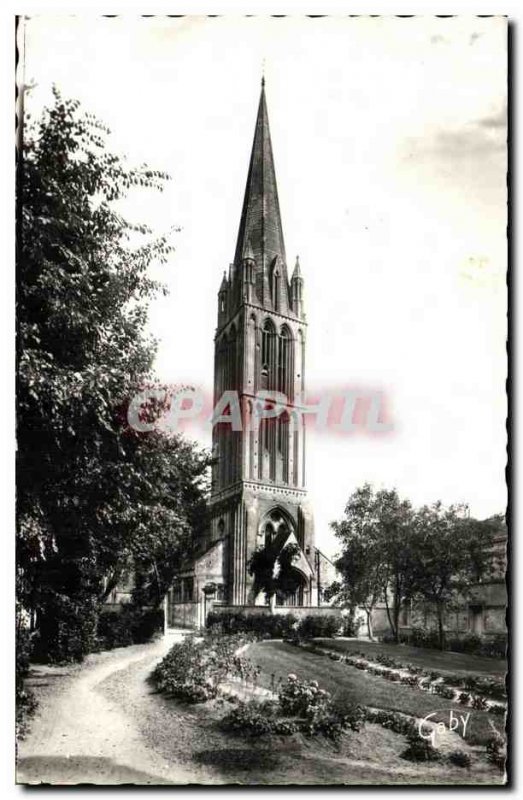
(263, 73)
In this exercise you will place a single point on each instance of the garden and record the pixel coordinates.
(304, 696)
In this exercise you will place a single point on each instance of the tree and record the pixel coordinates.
(91, 493)
(362, 563)
(274, 573)
(452, 555)
(376, 558)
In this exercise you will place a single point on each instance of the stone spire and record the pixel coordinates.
(260, 235)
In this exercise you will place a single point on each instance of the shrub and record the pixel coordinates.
(496, 751)
(146, 624)
(255, 719)
(424, 638)
(303, 699)
(67, 630)
(479, 703)
(444, 691)
(392, 720)
(389, 675)
(274, 626)
(388, 638)
(128, 626)
(471, 643)
(113, 630)
(497, 708)
(311, 627)
(387, 661)
(419, 750)
(464, 698)
(350, 625)
(301, 706)
(192, 670)
(492, 688)
(495, 647)
(25, 699)
(491, 647)
(409, 680)
(460, 759)
(471, 682)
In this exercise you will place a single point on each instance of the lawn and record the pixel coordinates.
(350, 686)
(444, 662)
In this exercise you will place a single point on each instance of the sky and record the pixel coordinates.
(389, 138)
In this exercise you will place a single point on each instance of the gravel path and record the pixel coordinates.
(87, 732)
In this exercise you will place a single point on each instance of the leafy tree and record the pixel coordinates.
(453, 553)
(362, 564)
(376, 559)
(274, 573)
(92, 493)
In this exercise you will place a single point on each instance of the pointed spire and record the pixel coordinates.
(297, 271)
(260, 224)
(223, 286)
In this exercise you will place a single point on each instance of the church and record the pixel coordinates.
(258, 489)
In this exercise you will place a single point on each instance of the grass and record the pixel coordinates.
(444, 662)
(350, 687)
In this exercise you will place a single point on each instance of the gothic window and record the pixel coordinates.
(284, 361)
(276, 288)
(269, 534)
(267, 357)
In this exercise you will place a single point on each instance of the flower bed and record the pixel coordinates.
(299, 707)
(194, 669)
(449, 687)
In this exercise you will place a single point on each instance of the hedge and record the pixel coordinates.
(281, 626)
(491, 647)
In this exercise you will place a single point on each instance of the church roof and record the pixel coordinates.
(260, 234)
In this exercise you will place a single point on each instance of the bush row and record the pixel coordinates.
(129, 626)
(193, 669)
(301, 707)
(388, 668)
(490, 647)
(280, 626)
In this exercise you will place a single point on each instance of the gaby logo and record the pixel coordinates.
(429, 730)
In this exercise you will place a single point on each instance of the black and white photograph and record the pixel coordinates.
(261, 400)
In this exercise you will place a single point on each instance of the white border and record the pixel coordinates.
(511, 8)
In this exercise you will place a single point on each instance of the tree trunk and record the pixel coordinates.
(391, 623)
(272, 602)
(368, 612)
(441, 630)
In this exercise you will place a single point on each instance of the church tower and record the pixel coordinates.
(258, 481)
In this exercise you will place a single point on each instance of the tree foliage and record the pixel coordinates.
(393, 553)
(274, 572)
(92, 493)
(375, 561)
(452, 555)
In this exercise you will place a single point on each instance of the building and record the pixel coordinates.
(258, 495)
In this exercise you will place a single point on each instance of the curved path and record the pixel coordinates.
(89, 723)
(102, 723)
